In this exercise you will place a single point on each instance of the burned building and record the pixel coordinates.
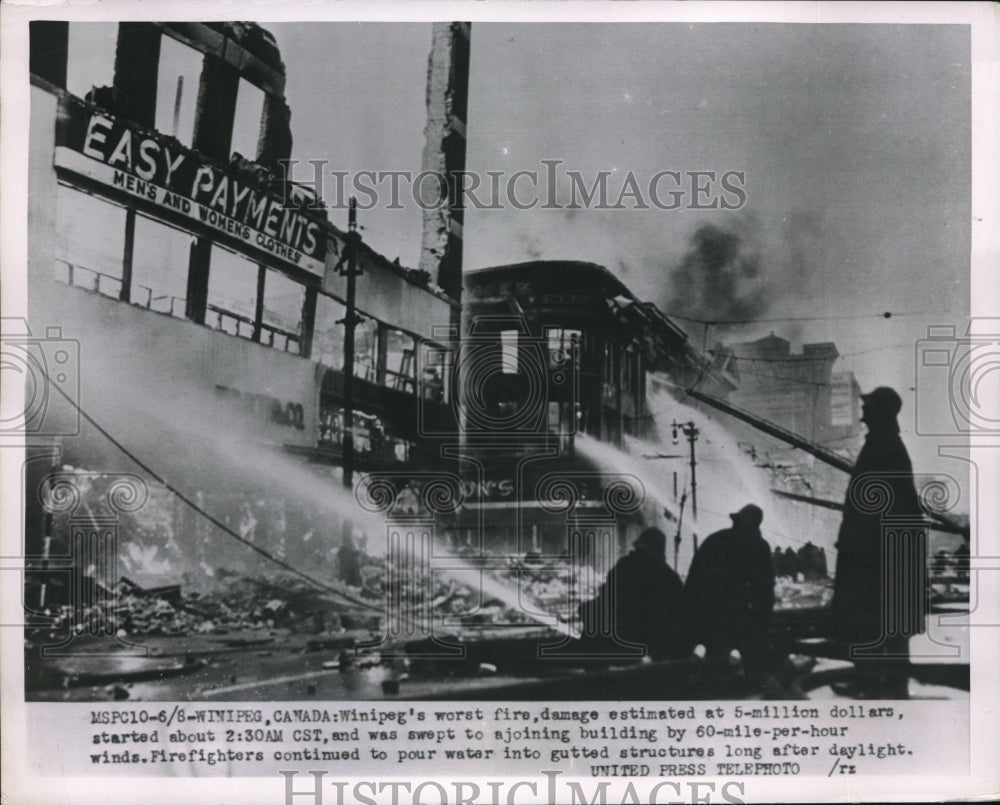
(201, 292)
(553, 371)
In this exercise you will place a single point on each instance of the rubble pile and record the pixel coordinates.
(556, 587)
(240, 603)
(474, 595)
(802, 593)
(237, 604)
(551, 586)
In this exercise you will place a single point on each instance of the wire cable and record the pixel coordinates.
(207, 515)
(885, 315)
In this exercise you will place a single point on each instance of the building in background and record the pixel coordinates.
(798, 391)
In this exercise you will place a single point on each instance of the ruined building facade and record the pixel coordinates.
(198, 288)
(798, 390)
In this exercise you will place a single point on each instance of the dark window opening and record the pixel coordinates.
(435, 376)
(369, 435)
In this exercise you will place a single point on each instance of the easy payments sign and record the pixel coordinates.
(116, 154)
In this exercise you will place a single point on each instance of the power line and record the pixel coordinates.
(208, 516)
(764, 375)
(885, 315)
(800, 358)
(799, 381)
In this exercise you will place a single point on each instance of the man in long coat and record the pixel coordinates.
(880, 585)
(730, 591)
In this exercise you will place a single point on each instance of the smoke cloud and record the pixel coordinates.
(720, 277)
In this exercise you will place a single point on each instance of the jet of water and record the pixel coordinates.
(727, 479)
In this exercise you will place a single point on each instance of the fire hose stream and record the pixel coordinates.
(941, 521)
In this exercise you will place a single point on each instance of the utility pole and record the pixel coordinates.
(349, 267)
(691, 432)
(677, 536)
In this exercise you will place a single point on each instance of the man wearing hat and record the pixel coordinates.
(875, 615)
(641, 601)
(730, 591)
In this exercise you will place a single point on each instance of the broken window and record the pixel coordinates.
(281, 317)
(328, 332)
(562, 345)
(90, 241)
(232, 293)
(160, 259)
(369, 434)
(435, 379)
(366, 349)
(400, 360)
(508, 352)
(247, 120)
(90, 57)
(177, 83)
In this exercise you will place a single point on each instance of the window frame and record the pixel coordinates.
(257, 324)
(125, 280)
(130, 232)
